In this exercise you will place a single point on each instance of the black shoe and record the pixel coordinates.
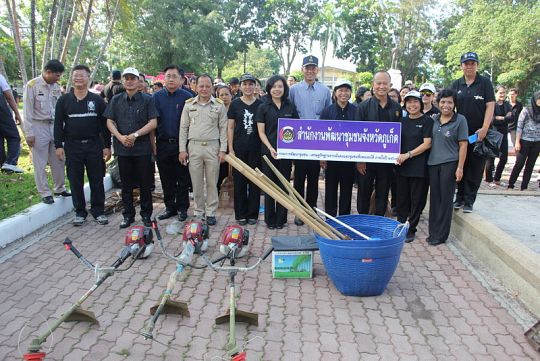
(63, 194)
(147, 221)
(409, 237)
(183, 216)
(298, 221)
(280, 226)
(435, 242)
(458, 204)
(126, 222)
(271, 226)
(166, 215)
(211, 221)
(467, 208)
(48, 200)
(252, 221)
(241, 222)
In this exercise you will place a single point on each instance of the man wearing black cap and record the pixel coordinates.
(113, 87)
(174, 176)
(310, 98)
(476, 101)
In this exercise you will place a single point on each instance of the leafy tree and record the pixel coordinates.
(262, 63)
(325, 31)
(285, 27)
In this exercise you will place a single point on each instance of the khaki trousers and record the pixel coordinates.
(204, 171)
(43, 152)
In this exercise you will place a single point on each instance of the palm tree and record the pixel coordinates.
(107, 40)
(12, 12)
(83, 38)
(50, 31)
(33, 35)
(325, 31)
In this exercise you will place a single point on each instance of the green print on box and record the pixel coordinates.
(292, 264)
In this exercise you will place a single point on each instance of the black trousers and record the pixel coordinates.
(526, 157)
(472, 177)
(338, 175)
(411, 199)
(442, 184)
(275, 213)
(136, 170)
(174, 177)
(378, 176)
(492, 173)
(89, 156)
(307, 169)
(9, 133)
(246, 194)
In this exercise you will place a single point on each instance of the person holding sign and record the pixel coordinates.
(274, 106)
(310, 98)
(379, 108)
(445, 164)
(339, 174)
(412, 182)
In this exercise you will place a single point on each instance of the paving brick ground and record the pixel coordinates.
(433, 309)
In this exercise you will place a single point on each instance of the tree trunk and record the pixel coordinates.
(62, 30)
(107, 41)
(67, 39)
(33, 35)
(12, 12)
(50, 30)
(82, 41)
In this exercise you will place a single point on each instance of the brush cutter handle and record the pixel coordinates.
(71, 247)
(156, 229)
(238, 269)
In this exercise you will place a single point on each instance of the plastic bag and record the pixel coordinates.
(490, 147)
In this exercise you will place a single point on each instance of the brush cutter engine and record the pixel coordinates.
(140, 237)
(234, 241)
(197, 233)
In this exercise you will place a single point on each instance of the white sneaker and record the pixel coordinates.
(78, 221)
(11, 168)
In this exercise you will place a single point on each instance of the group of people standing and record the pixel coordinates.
(188, 132)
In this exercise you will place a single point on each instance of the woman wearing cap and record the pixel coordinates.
(244, 142)
(339, 174)
(527, 142)
(427, 90)
(449, 141)
(411, 172)
(275, 105)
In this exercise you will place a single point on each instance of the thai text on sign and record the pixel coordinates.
(336, 140)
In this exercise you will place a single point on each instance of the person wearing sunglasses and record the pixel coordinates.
(427, 90)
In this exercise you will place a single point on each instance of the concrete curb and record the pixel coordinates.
(515, 265)
(39, 215)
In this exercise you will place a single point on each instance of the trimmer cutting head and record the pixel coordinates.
(234, 241)
(197, 233)
(142, 237)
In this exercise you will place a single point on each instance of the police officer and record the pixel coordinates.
(476, 101)
(203, 143)
(131, 117)
(174, 176)
(40, 97)
(310, 98)
(82, 139)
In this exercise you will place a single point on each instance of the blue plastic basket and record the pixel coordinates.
(360, 267)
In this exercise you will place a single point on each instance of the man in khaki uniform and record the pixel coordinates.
(40, 97)
(203, 140)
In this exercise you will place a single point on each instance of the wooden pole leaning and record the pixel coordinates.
(300, 200)
(279, 195)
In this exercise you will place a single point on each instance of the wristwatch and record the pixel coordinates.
(136, 135)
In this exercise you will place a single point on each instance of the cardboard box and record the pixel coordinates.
(292, 264)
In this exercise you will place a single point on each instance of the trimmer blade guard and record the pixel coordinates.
(80, 315)
(172, 308)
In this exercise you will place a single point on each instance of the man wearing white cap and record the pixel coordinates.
(131, 117)
(427, 90)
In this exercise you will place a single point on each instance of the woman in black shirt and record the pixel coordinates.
(276, 105)
(411, 172)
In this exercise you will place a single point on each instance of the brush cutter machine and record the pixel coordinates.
(138, 245)
(194, 240)
(232, 245)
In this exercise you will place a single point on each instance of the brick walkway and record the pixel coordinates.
(433, 308)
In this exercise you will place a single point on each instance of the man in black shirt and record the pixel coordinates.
(476, 101)
(82, 138)
(174, 176)
(379, 108)
(113, 87)
(131, 116)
